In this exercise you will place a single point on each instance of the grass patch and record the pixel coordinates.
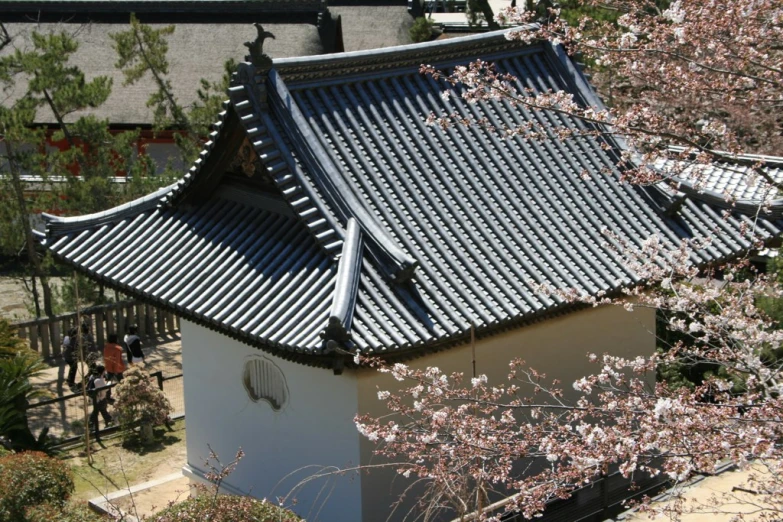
(117, 465)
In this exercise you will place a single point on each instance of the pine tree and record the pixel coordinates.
(142, 52)
(78, 178)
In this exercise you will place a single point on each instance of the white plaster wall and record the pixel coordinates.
(315, 428)
(557, 347)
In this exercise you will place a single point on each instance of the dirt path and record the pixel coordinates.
(65, 418)
(115, 467)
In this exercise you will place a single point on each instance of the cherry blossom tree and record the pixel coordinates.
(702, 81)
(694, 73)
(466, 439)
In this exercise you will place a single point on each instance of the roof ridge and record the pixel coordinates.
(727, 162)
(349, 269)
(254, 117)
(387, 58)
(56, 225)
(740, 159)
(391, 259)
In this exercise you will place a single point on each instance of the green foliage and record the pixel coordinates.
(16, 390)
(139, 402)
(10, 343)
(224, 508)
(71, 512)
(89, 293)
(142, 54)
(85, 147)
(142, 51)
(210, 98)
(30, 479)
(421, 31)
(572, 11)
(772, 306)
(51, 81)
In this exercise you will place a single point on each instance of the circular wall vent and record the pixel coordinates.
(263, 380)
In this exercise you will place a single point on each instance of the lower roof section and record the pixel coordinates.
(247, 271)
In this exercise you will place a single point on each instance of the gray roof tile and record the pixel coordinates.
(482, 219)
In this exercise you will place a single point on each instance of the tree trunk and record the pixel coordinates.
(38, 272)
(147, 435)
(483, 7)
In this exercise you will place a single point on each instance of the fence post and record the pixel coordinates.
(56, 339)
(149, 324)
(159, 377)
(170, 322)
(122, 324)
(34, 337)
(110, 321)
(161, 321)
(44, 340)
(131, 316)
(100, 338)
(140, 319)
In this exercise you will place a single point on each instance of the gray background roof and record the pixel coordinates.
(371, 27)
(196, 51)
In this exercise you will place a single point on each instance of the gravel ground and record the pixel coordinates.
(12, 299)
(16, 302)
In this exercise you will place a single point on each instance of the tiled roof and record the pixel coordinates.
(443, 228)
(732, 181)
(254, 271)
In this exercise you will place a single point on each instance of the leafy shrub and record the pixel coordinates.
(29, 479)
(421, 31)
(16, 391)
(68, 513)
(10, 343)
(139, 401)
(224, 508)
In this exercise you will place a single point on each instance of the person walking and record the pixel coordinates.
(133, 346)
(70, 355)
(112, 359)
(100, 397)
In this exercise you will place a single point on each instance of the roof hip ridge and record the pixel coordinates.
(349, 269)
(395, 263)
(59, 225)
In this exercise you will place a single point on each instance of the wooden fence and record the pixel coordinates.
(45, 334)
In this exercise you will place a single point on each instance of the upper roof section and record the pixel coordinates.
(401, 236)
(349, 66)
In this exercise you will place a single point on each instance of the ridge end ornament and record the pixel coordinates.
(256, 48)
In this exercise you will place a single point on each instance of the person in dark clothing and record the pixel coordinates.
(70, 355)
(100, 397)
(133, 346)
(87, 340)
